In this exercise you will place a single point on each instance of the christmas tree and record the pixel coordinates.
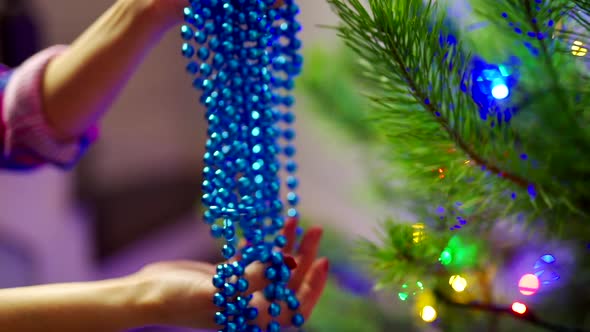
(482, 117)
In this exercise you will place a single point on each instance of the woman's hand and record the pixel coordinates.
(167, 13)
(169, 293)
(81, 84)
(181, 293)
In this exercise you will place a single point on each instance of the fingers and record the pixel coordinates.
(307, 254)
(256, 274)
(308, 295)
(313, 286)
(290, 232)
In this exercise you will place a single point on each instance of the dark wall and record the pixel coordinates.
(19, 32)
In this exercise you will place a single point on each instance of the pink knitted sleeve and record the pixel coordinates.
(28, 140)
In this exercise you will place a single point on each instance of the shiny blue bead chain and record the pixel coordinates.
(244, 56)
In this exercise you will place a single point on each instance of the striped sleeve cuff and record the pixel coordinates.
(27, 130)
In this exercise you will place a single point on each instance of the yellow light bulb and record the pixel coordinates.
(418, 232)
(428, 314)
(458, 283)
(578, 49)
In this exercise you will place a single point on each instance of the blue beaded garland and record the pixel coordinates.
(243, 55)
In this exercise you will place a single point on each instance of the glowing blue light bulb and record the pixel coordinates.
(500, 90)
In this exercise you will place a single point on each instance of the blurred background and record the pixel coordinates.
(134, 198)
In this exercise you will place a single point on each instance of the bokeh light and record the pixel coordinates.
(500, 90)
(428, 314)
(458, 283)
(519, 308)
(528, 284)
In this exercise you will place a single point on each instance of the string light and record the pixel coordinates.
(410, 289)
(500, 90)
(578, 49)
(418, 233)
(519, 308)
(528, 284)
(428, 314)
(458, 283)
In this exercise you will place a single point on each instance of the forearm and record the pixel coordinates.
(83, 82)
(102, 306)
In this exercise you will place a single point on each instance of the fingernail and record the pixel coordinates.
(290, 261)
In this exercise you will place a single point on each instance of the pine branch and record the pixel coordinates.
(532, 18)
(529, 316)
(413, 73)
(421, 96)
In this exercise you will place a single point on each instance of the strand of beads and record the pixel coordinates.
(243, 54)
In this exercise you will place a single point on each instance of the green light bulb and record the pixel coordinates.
(445, 257)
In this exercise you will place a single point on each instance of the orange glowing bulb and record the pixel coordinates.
(519, 308)
(528, 284)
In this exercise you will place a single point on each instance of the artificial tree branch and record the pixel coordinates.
(529, 316)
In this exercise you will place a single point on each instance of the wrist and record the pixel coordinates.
(156, 14)
(140, 301)
(124, 302)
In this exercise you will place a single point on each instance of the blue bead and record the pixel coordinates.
(281, 241)
(278, 222)
(292, 302)
(229, 232)
(251, 313)
(276, 258)
(220, 318)
(291, 166)
(292, 213)
(242, 302)
(240, 321)
(289, 117)
(188, 15)
(229, 289)
(279, 292)
(228, 251)
(192, 68)
(232, 309)
(289, 151)
(219, 299)
(216, 231)
(206, 12)
(231, 327)
(218, 281)
(292, 198)
(289, 134)
(273, 327)
(238, 269)
(254, 328)
(187, 50)
(228, 270)
(242, 285)
(298, 320)
(200, 37)
(205, 69)
(284, 273)
(197, 20)
(203, 53)
(269, 291)
(274, 309)
(186, 32)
